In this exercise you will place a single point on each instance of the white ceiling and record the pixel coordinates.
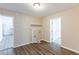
(45, 9)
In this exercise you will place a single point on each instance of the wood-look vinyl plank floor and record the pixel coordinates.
(43, 48)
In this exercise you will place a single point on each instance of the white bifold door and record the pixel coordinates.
(6, 32)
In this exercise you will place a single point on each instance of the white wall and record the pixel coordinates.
(69, 28)
(22, 30)
(46, 29)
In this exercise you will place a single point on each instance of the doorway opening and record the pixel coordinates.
(36, 33)
(6, 32)
(55, 30)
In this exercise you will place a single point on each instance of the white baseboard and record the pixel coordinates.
(20, 45)
(70, 49)
(23, 44)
